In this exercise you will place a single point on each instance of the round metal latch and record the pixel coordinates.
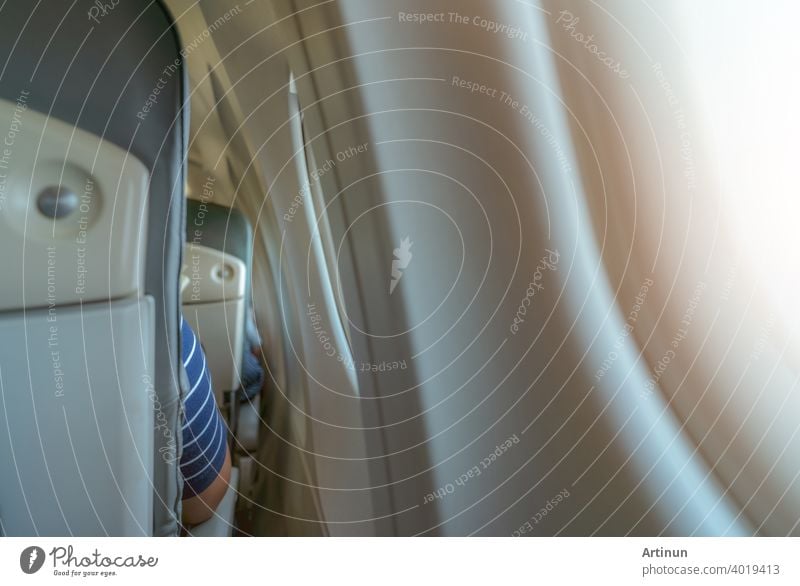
(57, 202)
(223, 272)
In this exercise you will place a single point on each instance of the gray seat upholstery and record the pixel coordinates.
(120, 77)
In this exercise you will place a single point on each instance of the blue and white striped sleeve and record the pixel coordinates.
(203, 430)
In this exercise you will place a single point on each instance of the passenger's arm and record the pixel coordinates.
(205, 460)
(200, 508)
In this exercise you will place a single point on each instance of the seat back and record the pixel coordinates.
(92, 209)
(217, 261)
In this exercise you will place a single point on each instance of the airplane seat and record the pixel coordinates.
(226, 231)
(93, 136)
(216, 272)
(217, 263)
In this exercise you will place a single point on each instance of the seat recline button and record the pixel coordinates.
(57, 202)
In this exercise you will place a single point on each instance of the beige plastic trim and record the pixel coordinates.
(213, 275)
(94, 253)
(213, 304)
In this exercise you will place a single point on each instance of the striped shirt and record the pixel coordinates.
(203, 430)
